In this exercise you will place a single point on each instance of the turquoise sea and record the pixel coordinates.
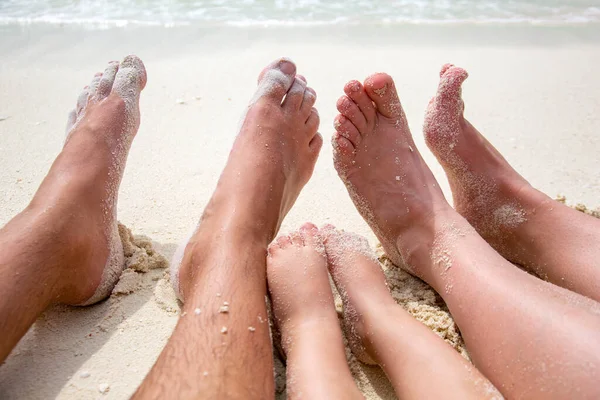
(108, 13)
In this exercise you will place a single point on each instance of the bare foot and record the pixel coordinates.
(381, 332)
(83, 183)
(487, 191)
(384, 173)
(272, 159)
(362, 286)
(305, 314)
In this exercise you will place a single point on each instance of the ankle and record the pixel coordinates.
(239, 220)
(68, 249)
(213, 247)
(415, 243)
(317, 327)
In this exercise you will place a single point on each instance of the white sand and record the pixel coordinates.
(535, 93)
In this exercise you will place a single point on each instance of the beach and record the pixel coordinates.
(533, 91)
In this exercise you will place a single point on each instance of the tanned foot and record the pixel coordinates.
(384, 173)
(306, 318)
(362, 286)
(272, 159)
(487, 191)
(82, 186)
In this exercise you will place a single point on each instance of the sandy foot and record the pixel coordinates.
(305, 316)
(85, 179)
(362, 287)
(298, 283)
(271, 160)
(487, 191)
(376, 157)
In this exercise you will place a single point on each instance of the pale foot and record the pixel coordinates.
(521, 223)
(362, 287)
(305, 315)
(381, 332)
(82, 186)
(272, 159)
(487, 191)
(384, 173)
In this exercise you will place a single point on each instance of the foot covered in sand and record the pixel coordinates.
(272, 159)
(305, 316)
(362, 287)
(487, 191)
(83, 182)
(299, 285)
(379, 331)
(385, 175)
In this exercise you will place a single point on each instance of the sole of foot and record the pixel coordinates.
(83, 182)
(272, 158)
(386, 177)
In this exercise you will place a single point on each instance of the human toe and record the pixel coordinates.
(350, 110)
(308, 101)
(276, 80)
(382, 91)
(356, 92)
(312, 122)
(295, 96)
(107, 80)
(82, 101)
(347, 129)
(450, 86)
(94, 85)
(131, 78)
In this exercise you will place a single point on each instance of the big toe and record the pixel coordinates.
(382, 91)
(276, 80)
(130, 78)
(450, 87)
(310, 233)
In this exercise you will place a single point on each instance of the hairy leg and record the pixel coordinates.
(527, 227)
(382, 332)
(64, 247)
(220, 347)
(305, 315)
(529, 337)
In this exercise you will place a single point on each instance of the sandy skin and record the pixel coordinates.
(228, 354)
(376, 158)
(68, 232)
(378, 330)
(305, 316)
(521, 223)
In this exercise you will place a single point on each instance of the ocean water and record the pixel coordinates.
(106, 13)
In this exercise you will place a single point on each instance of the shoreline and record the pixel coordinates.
(383, 34)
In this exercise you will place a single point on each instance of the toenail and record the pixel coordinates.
(354, 86)
(339, 121)
(287, 67)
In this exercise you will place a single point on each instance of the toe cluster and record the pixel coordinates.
(126, 78)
